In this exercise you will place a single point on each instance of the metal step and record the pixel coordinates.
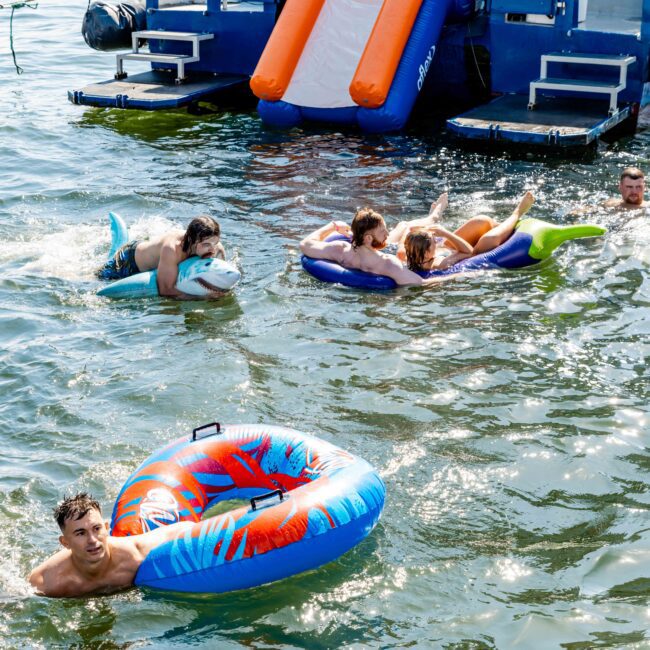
(578, 86)
(158, 58)
(179, 60)
(171, 36)
(618, 60)
(582, 85)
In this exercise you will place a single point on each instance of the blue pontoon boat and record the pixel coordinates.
(556, 73)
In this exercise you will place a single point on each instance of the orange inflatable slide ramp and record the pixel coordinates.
(376, 70)
(284, 48)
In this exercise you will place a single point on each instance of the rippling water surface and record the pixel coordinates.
(507, 414)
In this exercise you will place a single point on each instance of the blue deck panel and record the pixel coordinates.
(153, 90)
(554, 123)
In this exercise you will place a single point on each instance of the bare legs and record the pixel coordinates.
(481, 232)
(437, 208)
(500, 232)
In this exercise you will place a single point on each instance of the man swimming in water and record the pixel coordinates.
(165, 253)
(369, 235)
(93, 562)
(631, 188)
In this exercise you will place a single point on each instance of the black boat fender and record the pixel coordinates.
(108, 26)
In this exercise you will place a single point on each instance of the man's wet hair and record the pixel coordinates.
(75, 507)
(200, 228)
(632, 172)
(364, 220)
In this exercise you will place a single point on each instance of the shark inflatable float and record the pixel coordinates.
(196, 276)
(532, 242)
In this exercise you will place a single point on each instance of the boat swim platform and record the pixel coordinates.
(154, 90)
(555, 122)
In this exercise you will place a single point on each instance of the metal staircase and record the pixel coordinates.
(622, 62)
(179, 60)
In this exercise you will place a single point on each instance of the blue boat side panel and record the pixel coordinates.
(241, 32)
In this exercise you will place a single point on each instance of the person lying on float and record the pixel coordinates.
(368, 235)
(165, 253)
(419, 247)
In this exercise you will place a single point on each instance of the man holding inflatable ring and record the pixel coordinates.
(92, 561)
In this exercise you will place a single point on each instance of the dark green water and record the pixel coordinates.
(507, 414)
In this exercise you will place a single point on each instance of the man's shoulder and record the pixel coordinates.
(56, 577)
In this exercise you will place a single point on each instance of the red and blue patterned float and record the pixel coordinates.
(310, 502)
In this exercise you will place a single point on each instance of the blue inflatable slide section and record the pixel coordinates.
(407, 83)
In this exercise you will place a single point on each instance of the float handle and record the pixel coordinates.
(205, 426)
(268, 495)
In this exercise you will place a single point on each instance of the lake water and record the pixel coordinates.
(506, 413)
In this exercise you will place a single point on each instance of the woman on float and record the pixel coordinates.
(418, 247)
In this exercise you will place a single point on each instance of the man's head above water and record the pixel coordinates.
(368, 229)
(632, 186)
(201, 237)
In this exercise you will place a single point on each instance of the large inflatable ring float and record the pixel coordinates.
(310, 502)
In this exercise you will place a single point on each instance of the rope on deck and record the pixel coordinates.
(19, 4)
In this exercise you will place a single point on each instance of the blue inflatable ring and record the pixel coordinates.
(310, 503)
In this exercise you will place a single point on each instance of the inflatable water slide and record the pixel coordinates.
(359, 62)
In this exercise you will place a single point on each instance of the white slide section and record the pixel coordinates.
(325, 70)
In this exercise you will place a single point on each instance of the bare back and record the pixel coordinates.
(148, 252)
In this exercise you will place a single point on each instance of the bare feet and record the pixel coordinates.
(525, 204)
(438, 207)
(497, 235)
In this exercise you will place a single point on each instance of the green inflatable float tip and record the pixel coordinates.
(547, 236)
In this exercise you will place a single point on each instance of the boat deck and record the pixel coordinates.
(554, 122)
(153, 90)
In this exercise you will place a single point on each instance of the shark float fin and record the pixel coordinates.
(119, 233)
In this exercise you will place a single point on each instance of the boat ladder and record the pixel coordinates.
(179, 60)
(582, 85)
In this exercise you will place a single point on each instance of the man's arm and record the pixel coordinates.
(51, 578)
(37, 580)
(168, 271)
(168, 274)
(314, 246)
(395, 270)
